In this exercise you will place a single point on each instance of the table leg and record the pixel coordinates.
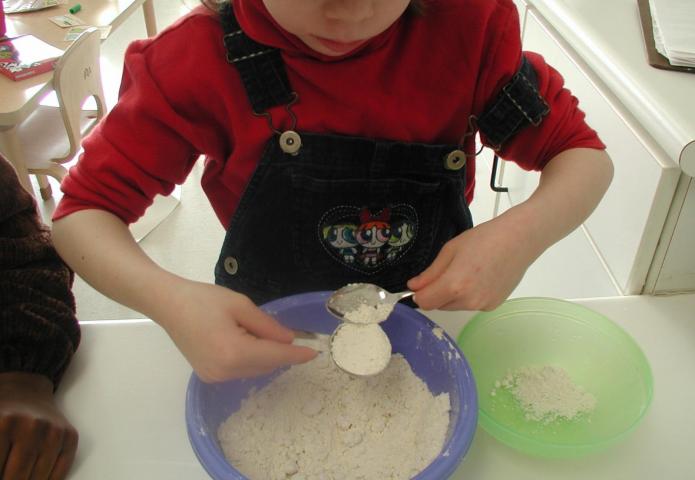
(44, 187)
(150, 20)
(12, 149)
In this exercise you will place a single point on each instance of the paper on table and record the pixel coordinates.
(674, 30)
(76, 31)
(67, 20)
(20, 6)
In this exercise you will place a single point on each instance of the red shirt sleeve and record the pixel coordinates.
(562, 129)
(142, 148)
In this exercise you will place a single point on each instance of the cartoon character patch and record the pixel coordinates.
(342, 239)
(367, 239)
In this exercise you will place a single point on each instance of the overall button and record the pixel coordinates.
(290, 142)
(231, 266)
(455, 160)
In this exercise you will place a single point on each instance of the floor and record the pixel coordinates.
(570, 269)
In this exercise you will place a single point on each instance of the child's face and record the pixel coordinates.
(335, 27)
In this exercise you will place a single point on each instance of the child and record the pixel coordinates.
(321, 118)
(38, 336)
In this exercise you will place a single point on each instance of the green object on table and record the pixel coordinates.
(74, 9)
(597, 354)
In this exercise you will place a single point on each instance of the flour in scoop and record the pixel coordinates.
(361, 349)
(315, 422)
(546, 393)
(365, 313)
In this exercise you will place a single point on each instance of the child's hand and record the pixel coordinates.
(477, 270)
(225, 336)
(36, 441)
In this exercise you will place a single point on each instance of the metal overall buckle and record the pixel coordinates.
(290, 141)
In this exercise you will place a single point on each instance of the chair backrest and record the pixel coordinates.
(76, 78)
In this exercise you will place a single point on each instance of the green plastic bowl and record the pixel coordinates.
(596, 353)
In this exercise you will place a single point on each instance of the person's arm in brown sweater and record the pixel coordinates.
(38, 336)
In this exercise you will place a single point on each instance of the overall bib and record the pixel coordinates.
(322, 211)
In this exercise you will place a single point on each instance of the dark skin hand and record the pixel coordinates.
(36, 440)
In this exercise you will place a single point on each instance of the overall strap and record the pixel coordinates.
(518, 105)
(261, 67)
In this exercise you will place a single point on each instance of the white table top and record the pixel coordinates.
(125, 393)
(608, 37)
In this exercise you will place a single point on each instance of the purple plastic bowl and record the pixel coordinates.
(437, 361)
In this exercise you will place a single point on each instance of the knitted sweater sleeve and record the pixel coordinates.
(38, 329)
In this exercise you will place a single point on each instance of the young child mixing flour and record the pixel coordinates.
(339, 138)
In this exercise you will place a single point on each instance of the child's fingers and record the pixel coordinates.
(267, 355)
(5, 447)
(435, 294)
(260, 324)
(434, 271)
(427, 285)
(52, 445)
(66, 457)
(20, 461)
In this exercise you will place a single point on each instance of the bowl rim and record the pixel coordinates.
(447, 461)
(493, 427)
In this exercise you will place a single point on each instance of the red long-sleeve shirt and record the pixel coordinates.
(419, 81)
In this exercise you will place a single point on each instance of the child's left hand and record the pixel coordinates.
(479, 269)
(476, 270)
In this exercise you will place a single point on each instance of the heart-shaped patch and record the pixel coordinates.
(368, 239)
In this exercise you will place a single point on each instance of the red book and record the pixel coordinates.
(3, 27)
(26, 56)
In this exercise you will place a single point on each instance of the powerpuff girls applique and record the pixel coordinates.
(365, 240)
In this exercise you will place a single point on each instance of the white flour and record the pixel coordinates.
(438, 332)
(361, 349)
(546, 393)
(314, 422)
(365, 313)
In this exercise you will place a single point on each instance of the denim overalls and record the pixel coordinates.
(322, 211)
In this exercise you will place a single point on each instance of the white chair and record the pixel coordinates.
(50, 136)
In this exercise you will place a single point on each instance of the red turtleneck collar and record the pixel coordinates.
(258, 24)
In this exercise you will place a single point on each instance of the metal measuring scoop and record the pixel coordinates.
(342, 353)
(363, 303)
(321, 342)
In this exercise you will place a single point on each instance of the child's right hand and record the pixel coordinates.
(224, 335)
(221, 333)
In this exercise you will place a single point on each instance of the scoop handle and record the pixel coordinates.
(397, 297)
(317, 341)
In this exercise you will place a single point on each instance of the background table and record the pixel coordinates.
(19, 99)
